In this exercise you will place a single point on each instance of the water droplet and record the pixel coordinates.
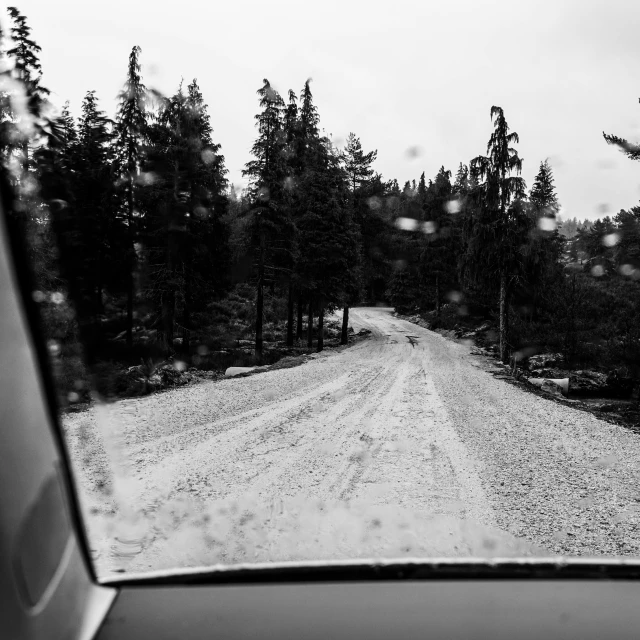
(179, 365)
(606, 461)
(627, 269)
(547, 224)
(73, 396)
(54, 347)
(407, 224)
(202, 350)
(201, 212)
(597, 271)
(453, 206)
(429, 227)
(611, 239)
(38, 296)
(57, 297)
(208, 156)
(146, 178)
(374, 203)
(413, 152)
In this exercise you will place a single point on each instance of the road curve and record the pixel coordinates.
(402, 445)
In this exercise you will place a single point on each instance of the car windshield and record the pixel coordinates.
(335, 283)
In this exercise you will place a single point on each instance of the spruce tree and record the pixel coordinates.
(270, 226)
(183, 211)
(543, 195)
(438, 256)
(543, 250)
(131, 124)
(499, 228)
(291, 152)
(357, 165)
(28, 71)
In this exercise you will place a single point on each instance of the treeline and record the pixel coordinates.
(161, 256)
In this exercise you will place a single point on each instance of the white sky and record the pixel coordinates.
(399, 74)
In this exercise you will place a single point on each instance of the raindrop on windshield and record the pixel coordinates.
(453, 206)
(429, 227)
(547, 224)
(611, 239)
(407, 224)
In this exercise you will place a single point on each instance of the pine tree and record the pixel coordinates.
(87, 226)
(499, 227)
(293, 133)
(461, 182)
(183, 211)
(438, 256)
(543, 250)
(422, 190)
(543, 195)
(328, 236)
(357, 165)
(271, 228)
(130, 130)
(28, 71)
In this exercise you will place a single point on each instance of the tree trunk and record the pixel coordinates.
(259, 310)
(310, 325)
(259, 307)
(437, 297)
(260, 301)
(321, 326)
(186, 314)
(504, 319)
(299, 322)
(290, 316)
(130, 288)
(132, 259)
(344, 336)
(168, 310)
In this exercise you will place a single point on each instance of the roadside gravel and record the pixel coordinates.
(554, 475)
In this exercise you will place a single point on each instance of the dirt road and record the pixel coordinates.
(403, 445)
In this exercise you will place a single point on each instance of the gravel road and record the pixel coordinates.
(402, 445)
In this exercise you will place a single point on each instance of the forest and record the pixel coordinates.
(144, 254)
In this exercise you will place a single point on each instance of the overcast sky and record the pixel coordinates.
(399, 74)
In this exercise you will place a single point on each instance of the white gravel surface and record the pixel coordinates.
(403, 445)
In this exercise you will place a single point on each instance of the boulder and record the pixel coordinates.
(543, 360)
(170, 376)
(550, 373)
(231, 372)
(588, 384)
(551, 385)
(614, 384)
(620, 385)
(155, 382)
(132, 381)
